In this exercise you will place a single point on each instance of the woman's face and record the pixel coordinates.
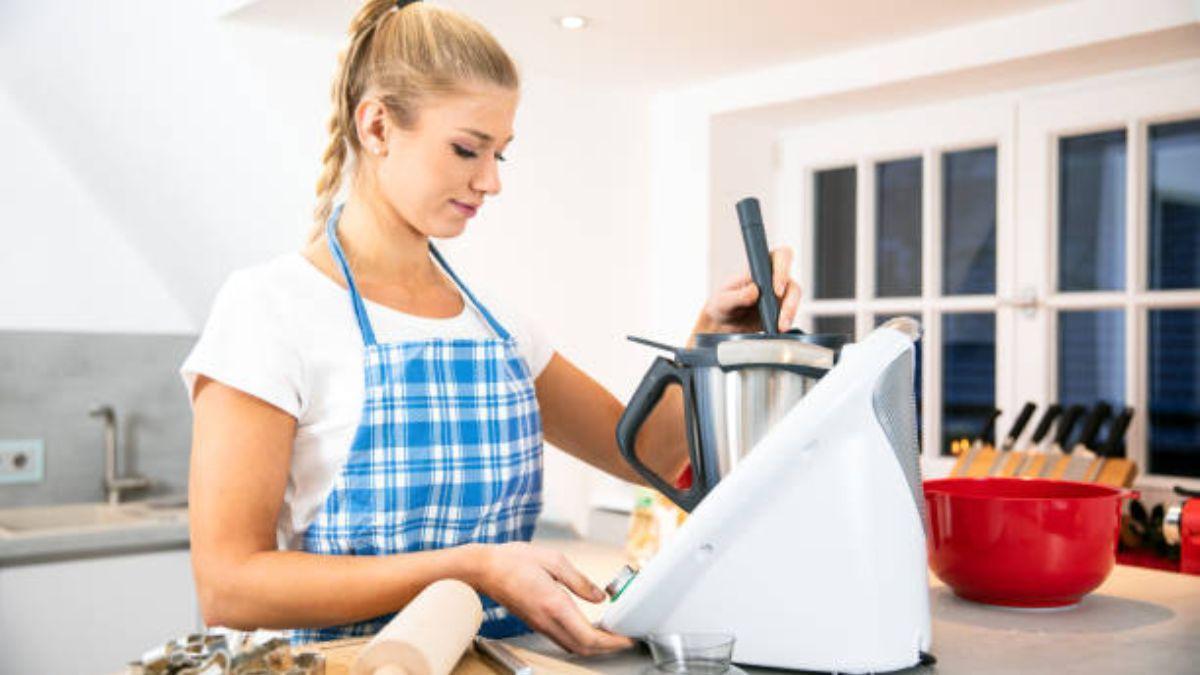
(437, 175)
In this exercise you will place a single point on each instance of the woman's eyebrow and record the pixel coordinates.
(482, 136)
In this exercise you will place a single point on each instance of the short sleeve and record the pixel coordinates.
(244, 346)
(532, 339)
(538, 348)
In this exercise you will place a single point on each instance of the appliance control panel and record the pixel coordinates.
(620, 582)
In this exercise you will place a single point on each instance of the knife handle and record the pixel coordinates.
(1094, 421)
(1022, 419)
(1046, 422)
(986, 434)
(502, 656)
(1068, 422)
(1113, 445)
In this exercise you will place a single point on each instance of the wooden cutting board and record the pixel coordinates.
(340, 656)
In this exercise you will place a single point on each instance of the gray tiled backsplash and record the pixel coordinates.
(49, 382)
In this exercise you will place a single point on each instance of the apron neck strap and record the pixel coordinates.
(496, 327)
(360, 308)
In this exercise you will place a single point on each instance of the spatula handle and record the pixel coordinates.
(754, 236)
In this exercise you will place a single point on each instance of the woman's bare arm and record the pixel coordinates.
(241, 451)
(580, 417)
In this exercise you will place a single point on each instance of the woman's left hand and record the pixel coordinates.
(734, 307)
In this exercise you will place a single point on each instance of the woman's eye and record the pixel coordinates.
(463, 152)
(501, 158)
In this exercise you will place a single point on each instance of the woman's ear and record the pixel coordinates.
(371, 124)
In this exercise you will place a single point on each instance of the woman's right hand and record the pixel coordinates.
(526, 579)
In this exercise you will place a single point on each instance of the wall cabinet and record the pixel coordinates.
(95, 615)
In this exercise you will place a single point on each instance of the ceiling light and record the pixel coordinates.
(572, 22)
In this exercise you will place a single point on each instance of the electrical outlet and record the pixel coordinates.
(22, 460)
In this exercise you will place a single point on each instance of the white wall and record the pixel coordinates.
(178, 147)
(63, 265)
(162, 148)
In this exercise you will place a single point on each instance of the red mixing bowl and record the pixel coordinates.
(1022, 542)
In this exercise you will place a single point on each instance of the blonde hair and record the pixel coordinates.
(406, 55)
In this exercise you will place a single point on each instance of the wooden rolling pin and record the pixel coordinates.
(428, 636)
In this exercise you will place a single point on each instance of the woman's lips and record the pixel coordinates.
(465, 209)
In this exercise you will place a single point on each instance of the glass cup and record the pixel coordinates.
(691, 653)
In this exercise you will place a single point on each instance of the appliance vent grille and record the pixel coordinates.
(895, 406)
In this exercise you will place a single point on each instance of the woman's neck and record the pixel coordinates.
(381, 247)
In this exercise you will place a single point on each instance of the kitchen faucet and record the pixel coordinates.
(114, 486)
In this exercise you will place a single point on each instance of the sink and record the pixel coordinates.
(32, 520)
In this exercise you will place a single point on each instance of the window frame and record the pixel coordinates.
(927, 132)
(1024, 126)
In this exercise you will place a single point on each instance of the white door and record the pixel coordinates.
(1108, 214)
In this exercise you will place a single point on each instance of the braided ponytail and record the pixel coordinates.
(405, 54)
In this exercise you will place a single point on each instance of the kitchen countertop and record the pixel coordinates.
(163, 529)
(1138, 621)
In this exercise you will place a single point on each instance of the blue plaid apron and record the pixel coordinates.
(448, 451)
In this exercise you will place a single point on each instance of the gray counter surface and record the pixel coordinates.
(1138, 621)
(166, 530)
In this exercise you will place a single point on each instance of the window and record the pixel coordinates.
(1048, 240)
(835, 229)
(898, 219)
(910, 230)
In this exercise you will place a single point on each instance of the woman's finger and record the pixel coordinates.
(735, 282)
(728, 302)
(575, 581)
(781, 266)
(789, 306)
(587, 639)
(559, 635)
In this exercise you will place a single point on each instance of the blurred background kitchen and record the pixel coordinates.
(1022, 176)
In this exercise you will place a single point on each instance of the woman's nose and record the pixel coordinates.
(487, 180)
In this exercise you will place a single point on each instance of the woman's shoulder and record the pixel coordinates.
(278, 282)
(273, 296)
(285, 271)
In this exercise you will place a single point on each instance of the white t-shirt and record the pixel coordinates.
(284, 332)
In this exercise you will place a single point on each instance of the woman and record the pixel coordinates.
(364, 423)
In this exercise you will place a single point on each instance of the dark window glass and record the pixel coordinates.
(969, 217)
(1175, 205)
(968, 375)
(880, 319)
(835, 222)
(1174, 438)
(898, 228)
(1091, 212)
(1091, 357)
(838, 325)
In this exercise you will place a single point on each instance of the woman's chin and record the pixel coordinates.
(448, 229)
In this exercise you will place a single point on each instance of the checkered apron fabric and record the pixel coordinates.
(448, 451)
